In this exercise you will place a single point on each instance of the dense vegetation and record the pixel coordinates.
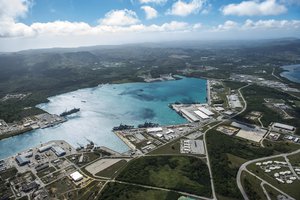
(45, 73)
(255, 95)
(224, 171)
(116, 191)
(182, 173)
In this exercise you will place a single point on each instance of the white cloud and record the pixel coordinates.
(61, 28)
(254, 7)
(153, 1)
(182, 8)
(150, 12)
(197, 26)
(228, 25)
(119, 18)
(271, 24)
(263, 25)
(12, 9)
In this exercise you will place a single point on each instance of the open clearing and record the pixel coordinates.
(100, 165)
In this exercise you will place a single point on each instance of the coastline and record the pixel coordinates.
(193, 85)
(127, 142)
(288, 73)
(208, 92)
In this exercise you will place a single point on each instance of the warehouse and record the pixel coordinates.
(283, 126)
(201, 114)
(154, 130)
(22, 160)
(76, 176)
(58, 150)
(206, 111)
(189, 115)
(45, 148)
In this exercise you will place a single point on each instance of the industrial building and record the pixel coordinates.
(45, 148)
(205, 111)
(192, 146)
(42, 166)
(76, 176)
(58, 151)
(189, 115)
(22, 160)
(154, 130)
(201, 114)
(283, 126)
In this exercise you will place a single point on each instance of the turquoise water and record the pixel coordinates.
(292, 72)
(106, 107)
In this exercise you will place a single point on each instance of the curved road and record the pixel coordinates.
(243, 167)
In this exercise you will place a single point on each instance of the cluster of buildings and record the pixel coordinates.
(29, 123)
(261, 81)
(288, 131)
(234, 101)
(192, 146)
(250, 132)
(143, 140)
(24, 158)
(278, 168)
(194, 112)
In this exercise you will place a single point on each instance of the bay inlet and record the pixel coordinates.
(292, 72)
(106, 106)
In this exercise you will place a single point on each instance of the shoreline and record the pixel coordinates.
(126, 142)
(286, 70)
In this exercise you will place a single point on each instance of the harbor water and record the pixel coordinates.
(292, 72)
(106, 106)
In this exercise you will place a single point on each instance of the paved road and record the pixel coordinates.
(204, 138)
(243, 168)
(163, 189)
(265, 191)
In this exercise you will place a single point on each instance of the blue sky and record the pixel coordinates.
(71, 23)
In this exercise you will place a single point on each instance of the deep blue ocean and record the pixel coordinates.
(292, 72)
(103, 107)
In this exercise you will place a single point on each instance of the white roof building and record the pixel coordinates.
(189, 115)
(76, 176)
(201, 114)
(284, 126)
(154, 129)
(205, 111)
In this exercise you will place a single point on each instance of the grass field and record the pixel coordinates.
(91, 191)
(281, 146)
(235, 161)
(182, 173)
(57, 188)
(116, 191)
(272, 192)
(252, 187)
(226, 155)
(11, 172)
(295, 159)
(170, 148)
(291, 189)
(45, 172)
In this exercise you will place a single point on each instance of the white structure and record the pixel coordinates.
(201, 114)
(76, 176)
(206, 111)
(46, 147)
(283, 126)
(219, 108)
(154, 130)
(189, 115)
